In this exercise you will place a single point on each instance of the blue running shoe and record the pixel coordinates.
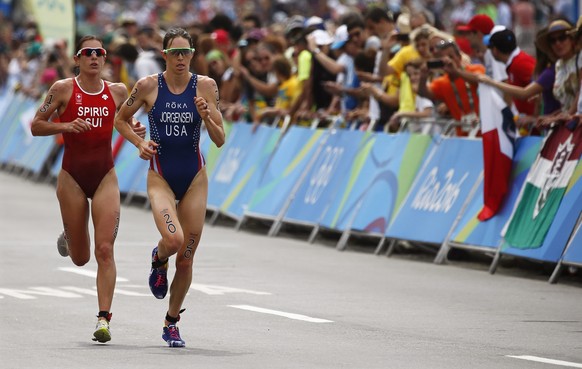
(158, 276)
(172, 336)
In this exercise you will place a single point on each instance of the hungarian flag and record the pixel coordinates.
(544, 188)
(499, 133)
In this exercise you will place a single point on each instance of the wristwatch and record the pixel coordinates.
(316, 50)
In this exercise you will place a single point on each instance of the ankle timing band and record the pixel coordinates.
(172, 319)
(104, 314)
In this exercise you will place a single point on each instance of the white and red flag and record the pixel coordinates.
(499, 134)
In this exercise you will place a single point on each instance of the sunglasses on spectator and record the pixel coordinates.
(89, 51)
(560, 38)
(443, 44)
(184, 51)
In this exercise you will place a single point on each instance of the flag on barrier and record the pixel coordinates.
(545, 186)
(499, 133)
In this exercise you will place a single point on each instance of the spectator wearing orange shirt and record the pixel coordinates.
(459, 96)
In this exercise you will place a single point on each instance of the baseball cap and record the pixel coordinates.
(493, 31)
(503, 41)
(340, 37)
(482, 23)
(295, 22)
(322, 37)
(315, 22)
(213, 55)
(220, 36)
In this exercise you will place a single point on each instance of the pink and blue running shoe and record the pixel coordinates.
(158, 276)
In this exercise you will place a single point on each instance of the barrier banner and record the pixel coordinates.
(16, 135)
(244, 182)
(128, 164)
(56, 168)
(470, 230)
(36, 154)
(210, 151)
(233, 155)
(378, 182)
(545, 186)
(439, 192)
(325, 178)
(573, 255)
(561, 227)
(289, 161)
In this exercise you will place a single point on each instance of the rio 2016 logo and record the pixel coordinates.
(320, 178)
(436, 196)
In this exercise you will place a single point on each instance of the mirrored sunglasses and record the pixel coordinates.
(89, 51)
(184, 51)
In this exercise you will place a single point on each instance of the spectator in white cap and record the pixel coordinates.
(343, 68)
(313, 92)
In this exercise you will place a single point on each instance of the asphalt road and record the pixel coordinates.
(260, 302)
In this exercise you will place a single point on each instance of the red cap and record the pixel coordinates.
(481, 23)
(463, 28)
(220, 36)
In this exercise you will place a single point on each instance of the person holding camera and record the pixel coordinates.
(459, 96)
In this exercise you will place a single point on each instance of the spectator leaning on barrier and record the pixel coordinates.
(459, 95)
(560, 41)
(423, 107)
(519, 65)
(86, 106)
(319, 41)
(479, 26)
(545, 75)
(343, 68)
(289, 90)
(261, 81)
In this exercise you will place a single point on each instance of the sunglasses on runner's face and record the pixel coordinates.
(88, 51)
(184, 51)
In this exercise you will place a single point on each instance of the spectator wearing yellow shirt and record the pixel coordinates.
(289, 90)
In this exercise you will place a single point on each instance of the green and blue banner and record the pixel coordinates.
(247, 177)
(325, 179)
(289, 161)
(470, 230)
(439, 192)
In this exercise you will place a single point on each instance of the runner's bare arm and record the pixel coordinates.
(137, 98)
(56, 98)
(119, 92)
(207, 103)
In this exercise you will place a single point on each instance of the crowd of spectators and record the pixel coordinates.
(385, 67)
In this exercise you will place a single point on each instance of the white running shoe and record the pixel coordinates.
(63, 245)
(102, 333)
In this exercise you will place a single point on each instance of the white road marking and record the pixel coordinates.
(118, 291)
(86, 291)
(547, 361)
(221, 290)
(281, 313)
(87, 273)
(32, 292)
